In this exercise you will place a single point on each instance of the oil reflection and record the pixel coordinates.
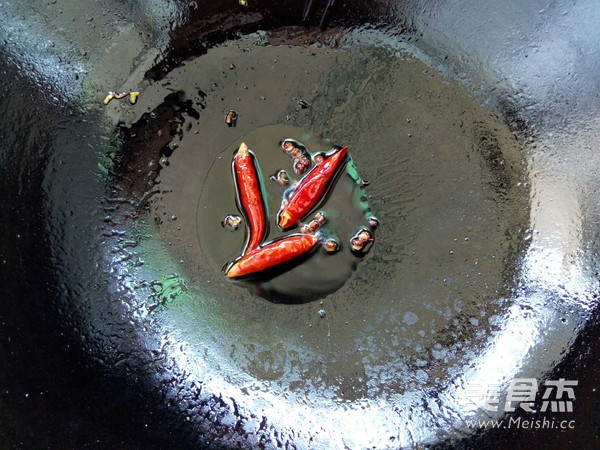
(202, 381)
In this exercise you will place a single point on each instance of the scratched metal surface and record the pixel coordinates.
(116, 333)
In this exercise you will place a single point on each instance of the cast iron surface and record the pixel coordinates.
(88, 361)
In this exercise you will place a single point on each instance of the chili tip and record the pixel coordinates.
(234, 271)
(285, 220)
(243, 150)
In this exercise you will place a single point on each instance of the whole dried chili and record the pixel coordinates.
(250, 197)
(273, 254)
(311, 190)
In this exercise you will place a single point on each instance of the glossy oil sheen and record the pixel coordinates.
(102, 267)
(320, 273)
(447, 183)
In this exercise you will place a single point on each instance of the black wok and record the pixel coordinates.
(115, 333)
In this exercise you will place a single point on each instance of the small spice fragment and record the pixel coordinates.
(361, 240)
(331, 246)
(373, 222)
(113, 95)
(312, 226)
(319, 158)
(133, 96)
(231, 222)
(108, 98)
(281, 177)
(301, 165)
(231, 118)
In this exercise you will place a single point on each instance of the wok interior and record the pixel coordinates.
(142, 314)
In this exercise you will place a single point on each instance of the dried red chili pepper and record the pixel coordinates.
(272, 254)
(250, 196)
(311, 190)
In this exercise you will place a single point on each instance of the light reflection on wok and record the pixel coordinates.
(415, 416)
(529, 338)
(553, 297)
